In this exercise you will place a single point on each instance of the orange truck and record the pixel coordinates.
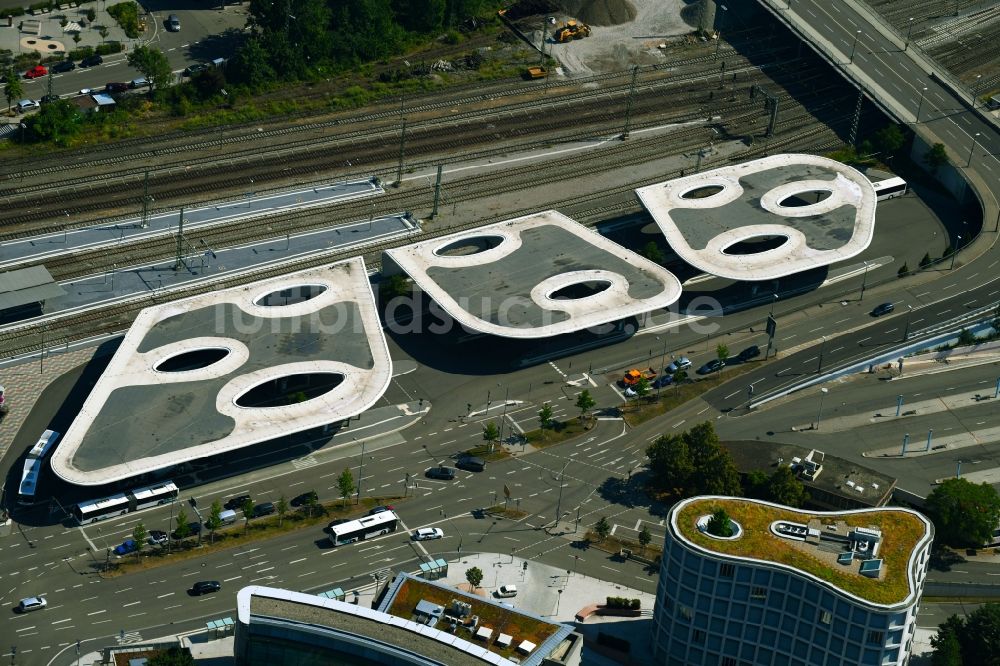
(632, 377)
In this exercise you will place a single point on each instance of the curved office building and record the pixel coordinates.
(789, 587)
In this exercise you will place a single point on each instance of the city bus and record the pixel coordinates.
(889, 188)
(364, 528)
(102, 509)
(143, 498)
(33, 467)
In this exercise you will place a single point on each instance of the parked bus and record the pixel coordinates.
(364, 528)
(889, 188)
(102, 509)
(143, 498)
(33, 467)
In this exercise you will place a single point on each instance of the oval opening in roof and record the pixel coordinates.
(290, 295)
(578, 290)
(290, 389)
(755, 245)
(471, 245)
(703, 192)
(806, 198)
(195, 359)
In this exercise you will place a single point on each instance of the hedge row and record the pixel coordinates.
(623, 603)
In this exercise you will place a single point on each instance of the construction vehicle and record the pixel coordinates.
(536, 72)
(570, 31)
(633, 376)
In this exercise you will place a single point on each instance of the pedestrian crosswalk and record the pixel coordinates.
(303, 463)
(129, 637)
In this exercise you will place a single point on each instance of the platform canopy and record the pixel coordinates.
(27, 286)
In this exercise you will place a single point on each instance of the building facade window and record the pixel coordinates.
(727, 570)
(758, 592)
(825, 617)
(876, 637)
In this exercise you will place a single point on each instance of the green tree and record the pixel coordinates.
(490, 433)
(926, 261)
(247, 510)
(722, 353)
(936, 157)
(57, 122)
(13, 89)
(755, 485)
(652, 251)
(966, 338)
(720, 524)
(345, 484)
(250, 65)
(312, 505)
(964, 514)
(784, 488)
(153, 64)
(173, 656)
(947, 650)
(214, 521)
(545, 416)
(602, 528)
(642, 387)
(980, 641)
(693, 463)
(903, 270)
(139, 535)
(209, 83)
(281, 506)
(475, 576)
(889, 139)
(645, 536)
(671, 464)
(585, 402)
(183, 529)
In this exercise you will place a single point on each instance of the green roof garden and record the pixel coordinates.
(903, 531)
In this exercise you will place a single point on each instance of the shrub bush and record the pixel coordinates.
(110, 48)
(91, 15)
(12, 11)
(127, 15)
(41, 5)
(635, 604)
(81, 53)
(925, 262)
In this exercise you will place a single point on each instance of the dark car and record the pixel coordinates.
(884, 308)
(205, 586)
(750, 352)
(48, 99)
(443, 473)
(157, 537)
(91, 61)
(471, 464)
(305, 498)
(63, 66)
(380, 509)
(236, 503)
(128, 546)
(193, 530)
(115, 87)
(712, 366)
(662, 380)
(197, 67)
(263, 509)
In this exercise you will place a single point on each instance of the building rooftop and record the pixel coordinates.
(534, 276)
(224, 370)
(815, 543)
(412, 598)
(767, 218)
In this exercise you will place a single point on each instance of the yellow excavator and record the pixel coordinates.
(570, 31)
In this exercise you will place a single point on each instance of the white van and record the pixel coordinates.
(228, 517)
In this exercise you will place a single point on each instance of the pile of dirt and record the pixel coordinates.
(594, 12)
(600, 12)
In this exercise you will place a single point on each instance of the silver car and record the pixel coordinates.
(173, 23)
(31, 604)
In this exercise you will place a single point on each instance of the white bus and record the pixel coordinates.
(102, 509)
(143, 498)
(889, 188)
(364, 528)
(33, 467)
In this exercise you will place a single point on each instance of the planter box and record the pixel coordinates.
(618, 612)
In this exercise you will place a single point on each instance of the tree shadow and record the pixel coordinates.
(943, 559)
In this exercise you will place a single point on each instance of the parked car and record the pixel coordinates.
(140, 82)
(26, 105)
(157, 537)
(471, 464)
(263, 509)
(173, 23)
(63, 66)
(35, 72)
(236, 503)
(884, 308)
(305, 498)
(380, 509)
(443, 473)
(85, 91)
(193, 530)
(91, 61)
(126, 547)
(662, 380)
(630, 392)
(205, 586)
(679, 364)
(428, 533)
(505, 591)
(48, 99)
(195, 68)
(714, 365)
(753, 351)
(31, 604)
(115, 87)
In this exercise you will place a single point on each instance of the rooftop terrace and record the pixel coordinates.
(904, 533)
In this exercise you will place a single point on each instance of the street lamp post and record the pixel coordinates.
(908, 31)
(906, 330)
(857, 35)
(822, 346)
(920, 104)
(562, 476)
(361, 469)
(822, 394)
(975, 89)
(954, 251)
(864, 281)
(975, 140)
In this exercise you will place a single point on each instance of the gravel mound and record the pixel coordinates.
(600, 12)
